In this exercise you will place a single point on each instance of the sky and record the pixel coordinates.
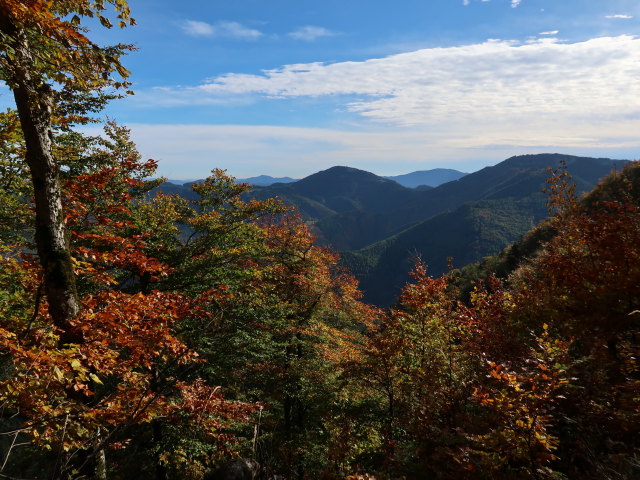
(293, 87)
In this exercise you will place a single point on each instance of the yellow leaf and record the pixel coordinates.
(58, 374)
(75, 364)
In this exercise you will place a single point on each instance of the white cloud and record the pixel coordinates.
(550, 32)
(515, 3)
(471, 82)
(310, 33)
(236, 30)
(618, 16)
(197, 29)
(220, 29)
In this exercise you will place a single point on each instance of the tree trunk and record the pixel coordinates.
(101, 465)
(34, 99)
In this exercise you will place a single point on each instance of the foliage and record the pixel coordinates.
(419, 362)
(216, 327)
(61, 51)
(559, 403)
(14, 189)
(584, 284)
(521, 443)
(283, 309)
(121, 362)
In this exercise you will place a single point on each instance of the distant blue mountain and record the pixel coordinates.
(431, 178)
(266, 180)
(181, 182)
(260, 180)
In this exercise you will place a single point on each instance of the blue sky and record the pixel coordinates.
(292, 87)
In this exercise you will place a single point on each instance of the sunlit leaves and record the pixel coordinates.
(121, 362)
(62, 52)
(523, 405)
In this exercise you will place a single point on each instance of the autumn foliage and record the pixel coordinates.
(177, 300)
(145, 336)
(532, 377)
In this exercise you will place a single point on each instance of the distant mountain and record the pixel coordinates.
(266, 180)
(531, 244)
(516, 177)
(430, 178)
(183, 187)
(475, 216)
(170, 188)
(181, 182)
(342, 192)
(465, 235)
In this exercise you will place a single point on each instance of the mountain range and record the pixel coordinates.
(420, 179)
(381, 227)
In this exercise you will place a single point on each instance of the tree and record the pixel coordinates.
(285, 314)
(521, 442)
(53, 70)
(70, 402)
(585, 284)
(423, 359)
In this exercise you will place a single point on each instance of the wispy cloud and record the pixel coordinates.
(236, 30)
(515, 3)
(310, 33)
(550, 32)
(619, 15)
(220, 29)
(197, 29)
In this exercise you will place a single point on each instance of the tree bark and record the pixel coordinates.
(101, 462)
(34, 100)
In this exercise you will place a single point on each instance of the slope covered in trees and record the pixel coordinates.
(534, 376)
(350, 209)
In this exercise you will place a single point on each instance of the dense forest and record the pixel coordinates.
(157, 337)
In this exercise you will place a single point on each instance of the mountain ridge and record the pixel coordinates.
(503, 210)
(379, 225)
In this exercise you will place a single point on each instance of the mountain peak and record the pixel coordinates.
(340, 178)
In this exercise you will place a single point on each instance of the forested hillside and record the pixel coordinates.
(507, 201)
(381, 228)
(152, 336)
